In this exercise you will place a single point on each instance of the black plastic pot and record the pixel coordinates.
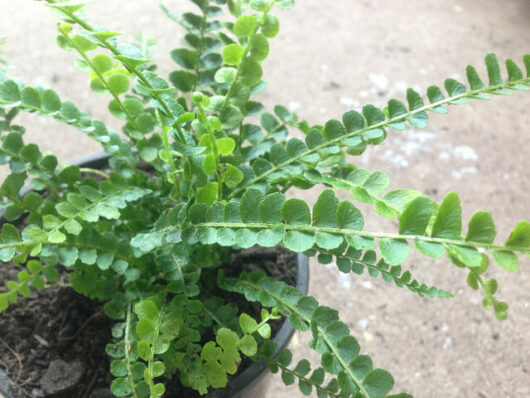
(251, 375)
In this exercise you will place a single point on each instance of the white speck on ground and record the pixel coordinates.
(367, 285)
(448, 342)
(379, 81)
(368, 337)
(344, 280)
(408, 144)
(294, 105)
(363, 323)
(444, 155)
(324, 67)
(411, 148)
(349, 102)
(423, 136)
(469, 170)
(400, 87)
(458, 174)
(365, 158)
(465, 152)
(397, 160)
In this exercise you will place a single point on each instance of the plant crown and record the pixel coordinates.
(150, 245)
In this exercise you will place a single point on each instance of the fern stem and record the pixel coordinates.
(165, 138)
(94, 171)
(181, 274)
(345, 232)
(213, 143)
(89, 62)
(211, 315)
(239, 67)
(200, 48)
(57, 286)
(115, 51)
(127, 349)
(154, 344)
(79, 245)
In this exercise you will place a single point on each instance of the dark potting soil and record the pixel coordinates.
(52, 341)
(52, 344)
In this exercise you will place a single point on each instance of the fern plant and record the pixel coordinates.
(219, 170)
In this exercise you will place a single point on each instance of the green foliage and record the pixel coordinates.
(331, 338)
(153, 242)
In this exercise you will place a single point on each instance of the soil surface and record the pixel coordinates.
(52, 344)
(332, 56)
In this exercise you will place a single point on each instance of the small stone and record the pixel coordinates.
(61, 376)
(4, 382)
(12, 274)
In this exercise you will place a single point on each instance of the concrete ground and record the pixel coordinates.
(332, 56)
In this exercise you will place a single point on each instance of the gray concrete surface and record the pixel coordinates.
(332, 56)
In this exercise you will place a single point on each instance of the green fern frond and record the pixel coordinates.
(290, 222)
(357, 130)
(28, 158)
(149, 82)
(87, 206)
(203, 59)
(331, 338)
(47, 102)
(353, 260)
(366, 187)
(435, 230)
